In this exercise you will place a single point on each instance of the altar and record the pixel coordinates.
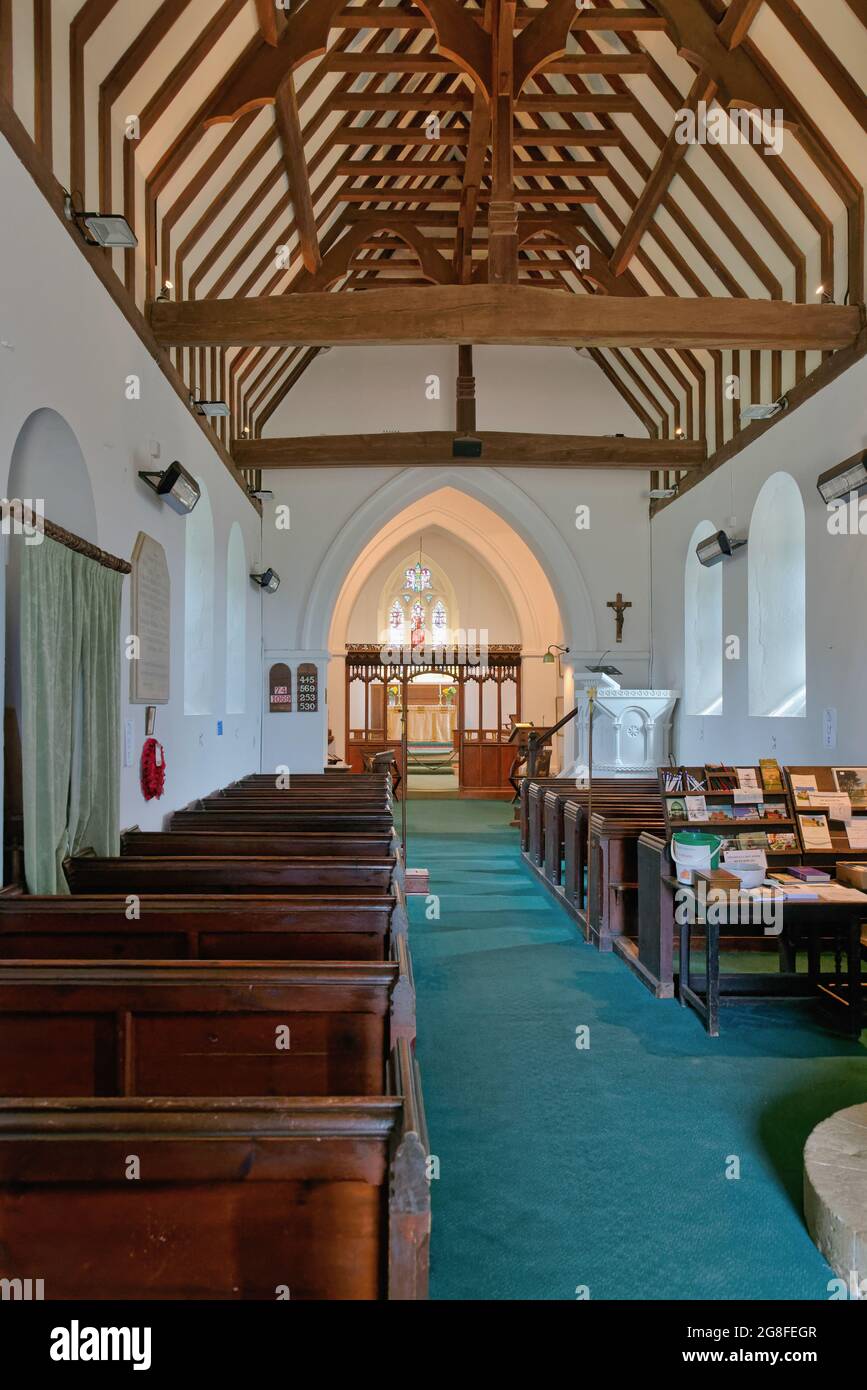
(632, 728)
(425, 724)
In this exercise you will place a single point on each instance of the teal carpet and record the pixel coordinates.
(602, 1168)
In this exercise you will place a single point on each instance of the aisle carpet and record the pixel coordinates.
(603, 1168)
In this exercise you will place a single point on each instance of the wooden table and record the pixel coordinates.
(807, 922)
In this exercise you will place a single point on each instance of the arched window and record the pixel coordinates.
(778, 601)
(199, 608)
(395, 619)
(702, 630)
(237, 584)
(439, 620)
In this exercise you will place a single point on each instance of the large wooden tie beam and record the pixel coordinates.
(502, 314)
(498, 447)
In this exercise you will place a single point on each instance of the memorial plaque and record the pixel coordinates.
(150, 617)
(280, 688)
(308, 688)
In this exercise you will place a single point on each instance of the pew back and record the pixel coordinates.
(195, 927)
(185, 1028)
(260, 874)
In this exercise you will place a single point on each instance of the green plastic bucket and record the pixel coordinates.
(694, 849)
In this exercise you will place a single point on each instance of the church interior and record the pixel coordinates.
(435, 543)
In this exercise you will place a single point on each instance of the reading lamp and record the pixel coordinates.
(175, 486)
(269, 580)
(843, 479)
(549, 657)
(600, 669)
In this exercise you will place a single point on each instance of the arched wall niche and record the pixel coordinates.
(199, 583)
(702, 630)
(47, 469)
(48, 465)
(237, 584)
(778, 601)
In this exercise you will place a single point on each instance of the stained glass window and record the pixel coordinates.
(395, 617)
(440, 617)
(418, 578)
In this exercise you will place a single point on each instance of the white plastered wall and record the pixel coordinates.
(71, 351)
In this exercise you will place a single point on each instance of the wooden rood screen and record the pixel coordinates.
(469, 713)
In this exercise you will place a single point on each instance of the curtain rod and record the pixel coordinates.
(69, 539)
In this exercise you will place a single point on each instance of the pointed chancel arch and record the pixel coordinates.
(509, 502)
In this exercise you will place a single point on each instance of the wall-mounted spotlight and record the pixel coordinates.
(661, 494)
(101, 228)
(263, 494)
(466, 446)
(844, 478)
(269, 580)
(175, 486)
(679, 434)
(212, 410)
(764, 412)
(165, 292)
(719, 546)
(823, 295)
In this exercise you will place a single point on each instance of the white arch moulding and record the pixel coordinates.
(492, 489)
(491, 556)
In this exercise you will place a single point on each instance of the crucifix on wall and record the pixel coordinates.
(620, 608)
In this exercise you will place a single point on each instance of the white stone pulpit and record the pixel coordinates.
(631, 728)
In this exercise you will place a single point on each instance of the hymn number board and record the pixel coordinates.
(280, 689)
(308, 688)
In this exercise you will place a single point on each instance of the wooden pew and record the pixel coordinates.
(524, 803)
(146, 1026)
(309, 1198)
(236, 844)
(260, 874)
(613, 871)
(195, 1028)
(224, 926)
(283, 819)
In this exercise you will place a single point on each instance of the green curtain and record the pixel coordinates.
(70, 695)
(95, 816)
